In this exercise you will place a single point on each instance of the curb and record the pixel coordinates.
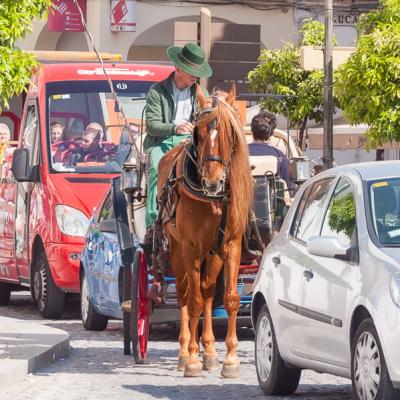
(26, 347)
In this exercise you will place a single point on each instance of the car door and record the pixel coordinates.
(94, 254)
(24, 208)
(108, 246)
(288, 254)
(329, 283)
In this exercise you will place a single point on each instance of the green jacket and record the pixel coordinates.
(160, 112)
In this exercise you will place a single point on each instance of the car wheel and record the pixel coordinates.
(5, 294)
(91, 319)
(50, 298)
(274, 377)
(369, 374)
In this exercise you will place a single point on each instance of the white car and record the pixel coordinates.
(327, 295)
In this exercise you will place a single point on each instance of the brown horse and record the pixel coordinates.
(206, 231)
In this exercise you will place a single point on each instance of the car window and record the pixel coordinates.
(384, 200)
(340, 219)
(107, 211)
(310, 208)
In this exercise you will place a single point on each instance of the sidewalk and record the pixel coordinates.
(26, 346)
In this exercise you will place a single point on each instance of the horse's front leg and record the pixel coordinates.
(208, 285)
(182, 295)
(230, 368)
(194, 366)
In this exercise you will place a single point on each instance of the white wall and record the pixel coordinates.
(155, 24)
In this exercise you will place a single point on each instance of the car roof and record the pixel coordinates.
(369, 170)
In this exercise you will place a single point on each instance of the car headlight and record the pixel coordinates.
(395, 288)
(71, 221)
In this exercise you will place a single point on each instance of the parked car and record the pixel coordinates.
(327, 295)
(48, 190)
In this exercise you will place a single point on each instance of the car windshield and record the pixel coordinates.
(384, 197)
(85, 124)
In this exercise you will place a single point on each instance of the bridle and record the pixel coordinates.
(202, 160)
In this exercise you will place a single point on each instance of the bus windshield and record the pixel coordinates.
(84, 124)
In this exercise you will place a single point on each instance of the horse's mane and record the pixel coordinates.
(233, 146)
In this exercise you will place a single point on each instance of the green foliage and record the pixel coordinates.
(342, 216)
(279, 72)
(16, 19)
(369, 90)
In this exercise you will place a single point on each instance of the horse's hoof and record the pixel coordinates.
(182, 362)
(210, 363)
(193, 369)
(230, 370)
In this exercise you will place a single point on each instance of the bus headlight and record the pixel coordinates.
(71, 221)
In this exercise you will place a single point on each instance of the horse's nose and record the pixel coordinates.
(213, 187)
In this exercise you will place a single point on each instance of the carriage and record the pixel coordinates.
(271, 200)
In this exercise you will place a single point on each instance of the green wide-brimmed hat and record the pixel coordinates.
(191, 59)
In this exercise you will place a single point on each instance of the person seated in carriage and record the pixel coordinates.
(170, 107)
(262, 128)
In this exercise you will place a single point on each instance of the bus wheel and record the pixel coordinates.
(5, 294)
(50, 299)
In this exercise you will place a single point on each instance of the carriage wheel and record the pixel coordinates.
(139, 308)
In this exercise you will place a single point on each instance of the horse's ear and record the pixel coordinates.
(231, 95)
(200, 96)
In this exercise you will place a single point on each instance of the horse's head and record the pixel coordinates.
(214, 139)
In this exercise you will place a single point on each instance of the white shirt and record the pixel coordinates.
(183, 104)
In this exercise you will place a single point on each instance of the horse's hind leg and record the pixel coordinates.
(231, 300)
(209, 277)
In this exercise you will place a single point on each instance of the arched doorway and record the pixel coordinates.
(69, 41)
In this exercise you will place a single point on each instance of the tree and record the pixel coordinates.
(279, 72)
(369, 89)
(16, 66)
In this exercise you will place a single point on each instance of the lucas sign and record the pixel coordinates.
(123, 15)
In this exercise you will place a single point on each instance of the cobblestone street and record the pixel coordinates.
(97, 369)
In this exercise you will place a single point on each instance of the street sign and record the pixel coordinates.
(123, 15)
(64, 16)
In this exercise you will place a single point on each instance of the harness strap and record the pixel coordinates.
(222, 225)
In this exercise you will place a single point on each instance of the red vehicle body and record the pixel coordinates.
(43, 216)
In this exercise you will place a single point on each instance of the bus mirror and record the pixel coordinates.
(20, 167)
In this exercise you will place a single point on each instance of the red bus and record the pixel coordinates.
(47, 198)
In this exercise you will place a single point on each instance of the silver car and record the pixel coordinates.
(327, 295)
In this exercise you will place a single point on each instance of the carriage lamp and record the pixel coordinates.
(129, 178)
(299, 169)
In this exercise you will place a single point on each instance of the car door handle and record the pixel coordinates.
(276, 260)
(308, 274)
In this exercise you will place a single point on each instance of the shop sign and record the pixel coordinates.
(123, 15)
(345, 18)
(64, 16)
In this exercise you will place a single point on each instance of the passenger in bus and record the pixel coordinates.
(57, 132)
(262, 128)
(91, 138)
(88, 148)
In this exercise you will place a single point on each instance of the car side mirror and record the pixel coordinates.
(21, 169)
(328, 246)
(108, 226)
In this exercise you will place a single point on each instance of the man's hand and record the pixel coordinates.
(184, 128)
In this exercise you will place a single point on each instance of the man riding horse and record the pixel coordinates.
(170, 107)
